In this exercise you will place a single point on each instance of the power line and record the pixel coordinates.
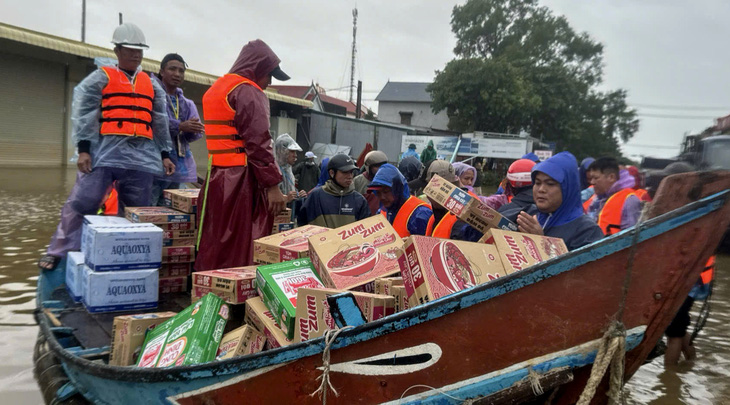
(680, 107)
(679, 117)
(653, 146)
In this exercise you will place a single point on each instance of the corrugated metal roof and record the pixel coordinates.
(77, 48)
(405, 91)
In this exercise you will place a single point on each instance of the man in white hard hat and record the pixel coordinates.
(121, 132)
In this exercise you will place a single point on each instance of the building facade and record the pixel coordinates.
(408, 103)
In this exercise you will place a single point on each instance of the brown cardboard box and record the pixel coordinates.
(439, 267)
(401, 298)
(521, 250)
(466, 207)
(259, 316)
(283, 217)
(189, 234)
(128, 332)
(184, 199)
(313, 316)
(234, 285)
(240, 342)
(385, 285)
(159, 215)
(178, 254)
(356, 254)
(285, 246)
(179, 242)
(173, 284)
(283, 227)
(175, 269)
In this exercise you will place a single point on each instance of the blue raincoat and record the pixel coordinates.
(389, 176)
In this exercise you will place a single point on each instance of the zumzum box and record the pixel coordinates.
(128, 333)
(184, 199)
(466, 207)
(437, 267)
(234, 285)
(521, 250)
(178, 254)
(173, 284)
(278, 284)
(75, 274)
(176, 269)
(259, 316)
(285, 246)
(313, 316)
(123, 247)
(356, 254)
(190, 337)
(120, 290)
(158, 215)
(240, 342)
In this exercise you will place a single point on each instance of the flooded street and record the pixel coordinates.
(30, 201)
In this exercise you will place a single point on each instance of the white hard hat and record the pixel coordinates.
(310, 155)
(130, 36)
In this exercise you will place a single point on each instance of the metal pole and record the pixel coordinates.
(121, 19)
(358, 110)
(354, 42)
(83, 20)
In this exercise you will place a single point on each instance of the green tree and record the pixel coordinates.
(519, 67)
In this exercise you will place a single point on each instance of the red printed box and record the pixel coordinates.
(234, 285)
(285, 246)
(175, 269)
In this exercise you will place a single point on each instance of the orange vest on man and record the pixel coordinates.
(609, 219)
(443, 228)
(709, 272)
(400, 222)
(225, 146)
(126, 107)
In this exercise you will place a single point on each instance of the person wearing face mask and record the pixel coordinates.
(408, 214)
(120, 128)
(336, 203)
(556, 191)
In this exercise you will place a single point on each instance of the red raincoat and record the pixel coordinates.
(236, 207)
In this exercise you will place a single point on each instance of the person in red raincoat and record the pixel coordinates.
(241, 195)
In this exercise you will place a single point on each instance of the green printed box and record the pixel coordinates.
(278, 284)
(190, 337)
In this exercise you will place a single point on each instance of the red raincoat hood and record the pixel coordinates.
(255, 61)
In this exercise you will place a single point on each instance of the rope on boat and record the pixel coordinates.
(463, 401)
(612, 349)
(534, 379)
(704, 314)
(330, 335)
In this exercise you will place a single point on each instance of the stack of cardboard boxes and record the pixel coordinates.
(179, 237)
(117, 268)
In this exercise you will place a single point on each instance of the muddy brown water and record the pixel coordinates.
(30, 202)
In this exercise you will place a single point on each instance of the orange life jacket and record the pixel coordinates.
(609, 219)
(587, 204)
(642, 194)
(400, 222)
(221, 136)
(444, 227)
(111, 205)
(709, 272)
(126, 107)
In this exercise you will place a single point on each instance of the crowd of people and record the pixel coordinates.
(133, 131)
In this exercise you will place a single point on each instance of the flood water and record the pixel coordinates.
(30, 202)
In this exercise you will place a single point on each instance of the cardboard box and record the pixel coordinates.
(283, 217)
(119, 290)
(128, 333)
(176, 269)
(285, 246)
(234, 285)
(521, 250)
(184, 199)
(122, 247)
(467, 208)
(313, 316)
(240, 342)
(283, 227)
(259, 316)
(190, 337)
(177, 226)
(99, 220)
(356, 254)
(173, 284)
(278, 284)
(75, 275)
(178, 254)
(384, 285)
(401, 298)
(188, 234)
(439, 267)
(158, 215)
(178, 242)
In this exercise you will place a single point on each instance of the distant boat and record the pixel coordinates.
(526, 336)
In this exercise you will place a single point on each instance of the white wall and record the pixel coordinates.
(389, 111)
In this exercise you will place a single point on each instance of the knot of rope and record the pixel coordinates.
(610, 354)
(325, 385)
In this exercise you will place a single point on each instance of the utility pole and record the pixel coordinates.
(121, 19)
(358, 107)
(354, 42)
(83, 20)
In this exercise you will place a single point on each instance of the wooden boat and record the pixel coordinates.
(541, 326)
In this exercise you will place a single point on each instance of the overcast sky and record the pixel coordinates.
(669, 54)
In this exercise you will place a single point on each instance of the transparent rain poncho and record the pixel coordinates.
(285, 143)
(125, 152)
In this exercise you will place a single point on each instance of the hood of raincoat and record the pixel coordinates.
(255, 61)
(410, 167)
(583, 170)
(460, 168)
(389, 176)
(284, 143)
(531, 156)
(562, 168)
(625, 180)
(323, 173)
